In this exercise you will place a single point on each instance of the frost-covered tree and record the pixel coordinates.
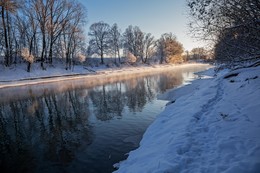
(134, 41)
(149, 47)
(43, 26)
(115, 41)
(7, 8)
(169, 49)
(131, 58)
(99, 39)
(28, 57)
(81, 58)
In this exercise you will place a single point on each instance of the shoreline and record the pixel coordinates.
(99, 74)
(211, 125)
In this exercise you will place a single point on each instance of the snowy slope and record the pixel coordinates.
(213, 126)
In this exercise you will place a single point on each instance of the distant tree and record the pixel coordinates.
(128, 39)
(169, 49)
(134, 41)
(115, 41)
(148, 48)
(99, 38)
(138, 42)
(199, 53)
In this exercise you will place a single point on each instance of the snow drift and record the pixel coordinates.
(213, 126)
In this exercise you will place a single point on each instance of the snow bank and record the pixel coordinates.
(213, 126)
(18, 76)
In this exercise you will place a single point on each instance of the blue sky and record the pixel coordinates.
(154, 16)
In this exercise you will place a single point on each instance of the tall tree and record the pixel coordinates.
(73, 38)
(128, 38)
(99, 33)
(134, 41)
(61, 13)
(115, 41)
(149, 44)
(42, 27)
(42, 15)
(7, 6)
(169, 49)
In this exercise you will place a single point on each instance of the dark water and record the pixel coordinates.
(74, 127)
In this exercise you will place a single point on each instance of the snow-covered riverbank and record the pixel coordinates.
(211, 125)
(17, 76)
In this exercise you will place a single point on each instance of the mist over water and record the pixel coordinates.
(80, 125)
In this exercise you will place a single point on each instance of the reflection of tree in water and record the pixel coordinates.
(15, 150)
(108, 101)
(141, 91)
(45, 132)
(169, 80)
(136, 95)
(50, 128)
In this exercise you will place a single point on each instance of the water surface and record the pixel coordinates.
(73, 126)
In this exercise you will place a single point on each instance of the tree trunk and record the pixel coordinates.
(161, 60)
(50, 52)
(118, 55)
(115, 55)
(102, 54)
(29, 67)
(43, 49)
(9, 39)
(67, 59)
(6, 40)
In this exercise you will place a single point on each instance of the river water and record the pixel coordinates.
(73, 126)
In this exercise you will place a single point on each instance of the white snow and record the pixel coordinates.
(212, 126)
(18, 76)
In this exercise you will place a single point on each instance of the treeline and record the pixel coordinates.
(233, 26)
(40, 30)
(137, 45)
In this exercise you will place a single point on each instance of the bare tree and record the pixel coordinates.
(149, 44)
(198, 53)
(61, 14)
(115, 41)
(134, 41)
(7, 6)
(42, 15)
(73, 35)
(128, 38)
(232, 25)
(138, 42)
(99, 33)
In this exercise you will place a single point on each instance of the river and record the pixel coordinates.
(80, 125)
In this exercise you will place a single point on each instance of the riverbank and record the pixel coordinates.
(211, 125)
(19, 77)
(89, 123)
